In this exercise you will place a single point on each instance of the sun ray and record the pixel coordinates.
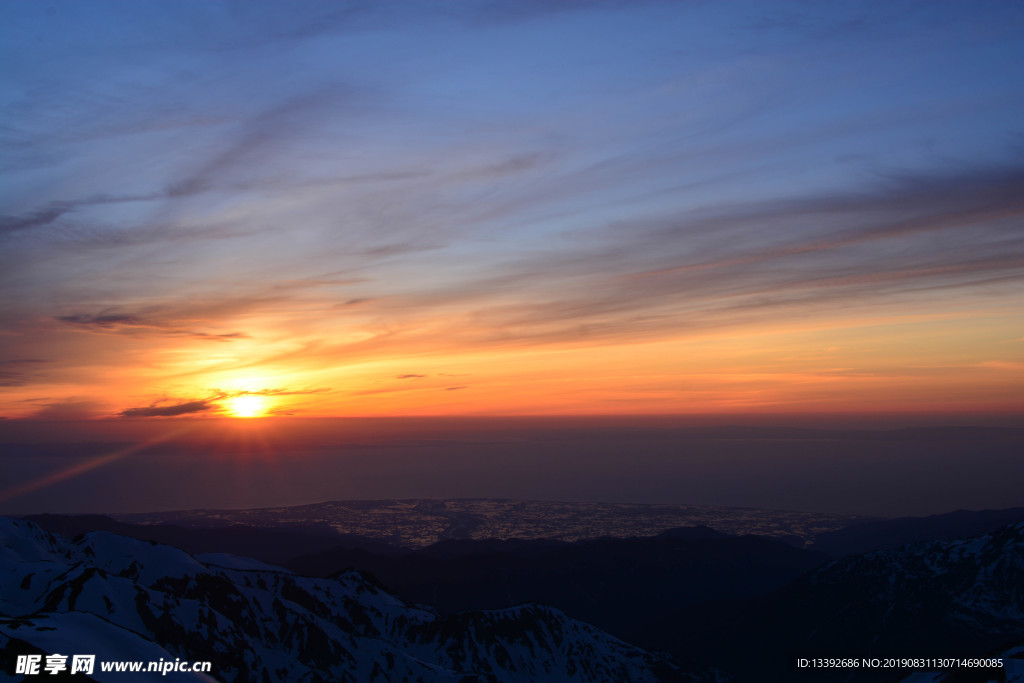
(73, 471)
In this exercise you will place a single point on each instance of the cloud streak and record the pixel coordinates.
(908, 238)
(187, 408)
(115, 323)
(16, 372)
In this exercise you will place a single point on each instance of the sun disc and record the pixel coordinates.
(247, 406)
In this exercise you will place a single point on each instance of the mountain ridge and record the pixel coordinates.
(272, 625)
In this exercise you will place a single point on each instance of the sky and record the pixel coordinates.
(334, 209)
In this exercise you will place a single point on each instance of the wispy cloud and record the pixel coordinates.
(219, 395)
(114, 323)
(912, 236)
(174, 410)
(910, 239)
(55, 210)
(72, 408)
(15, 372)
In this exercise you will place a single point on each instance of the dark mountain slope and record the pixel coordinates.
(893, 533)
(615, 584)
(931, 599)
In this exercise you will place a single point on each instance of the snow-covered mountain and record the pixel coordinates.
(962, 594)
(124, 599)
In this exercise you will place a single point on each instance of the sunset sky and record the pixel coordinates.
(511, 207)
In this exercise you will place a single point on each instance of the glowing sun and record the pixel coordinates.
(247, 405)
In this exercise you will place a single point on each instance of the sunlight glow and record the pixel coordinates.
(247, 406)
